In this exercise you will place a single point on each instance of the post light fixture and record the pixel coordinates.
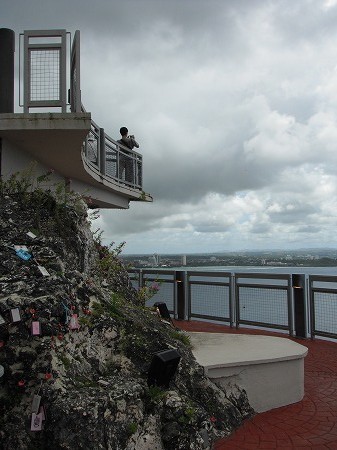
(163, 367)
(299, 294)
(163, 310)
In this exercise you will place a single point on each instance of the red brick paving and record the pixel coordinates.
(309, 424)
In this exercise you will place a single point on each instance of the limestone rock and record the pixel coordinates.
(80, 351)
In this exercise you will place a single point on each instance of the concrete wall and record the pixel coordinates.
(13, 160)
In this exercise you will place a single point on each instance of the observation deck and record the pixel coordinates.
(61, 138)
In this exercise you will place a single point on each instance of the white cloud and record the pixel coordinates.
(234, 105)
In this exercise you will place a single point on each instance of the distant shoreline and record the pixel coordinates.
(306, 270)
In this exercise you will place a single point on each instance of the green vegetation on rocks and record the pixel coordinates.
(89, 362)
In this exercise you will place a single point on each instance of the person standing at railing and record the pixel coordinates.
(126, 163)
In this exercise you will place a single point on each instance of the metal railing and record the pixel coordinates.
(210, 299)
(263, 300)
(102, 154)
(303, 306)
(110, 159)
(167, 293)
(323, 305)
(44, 70)
(44, 80)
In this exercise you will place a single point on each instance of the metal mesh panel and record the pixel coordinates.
(165, 294)
(75, 87)
(139, 172)
(268, 306)
(209, 300)
(92, 146)
(135, 284)
(134, 278)
(111, 165)
(325, 310)
(45, 75)
(74, 81)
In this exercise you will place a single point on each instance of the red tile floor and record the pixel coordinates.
(309, 424)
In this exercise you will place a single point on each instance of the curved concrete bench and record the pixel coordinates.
(270, 369)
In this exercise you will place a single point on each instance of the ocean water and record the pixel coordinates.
(262, 269)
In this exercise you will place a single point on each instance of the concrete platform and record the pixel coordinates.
(270, 369)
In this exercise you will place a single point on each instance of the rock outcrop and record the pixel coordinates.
(76, 345)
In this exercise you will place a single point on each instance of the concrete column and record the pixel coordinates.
(7, 49)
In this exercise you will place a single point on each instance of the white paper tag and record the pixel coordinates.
(36, 403)
(21, 247)
(31, 235)
(44, 271)
(16, 316)
(36, 423)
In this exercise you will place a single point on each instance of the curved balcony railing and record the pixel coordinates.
(104, 159)
(105, 156)
(112, 160)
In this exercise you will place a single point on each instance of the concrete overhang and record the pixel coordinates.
(55, 140)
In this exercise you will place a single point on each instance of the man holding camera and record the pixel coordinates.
(126, 163)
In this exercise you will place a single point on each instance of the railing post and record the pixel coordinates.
(180, 280)
(237, 301)
(298, 285)
(101, 156)
(312, 307)
(232, 302)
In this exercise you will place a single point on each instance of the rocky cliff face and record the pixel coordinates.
(76, 345)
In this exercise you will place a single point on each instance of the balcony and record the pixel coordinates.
(66, 141)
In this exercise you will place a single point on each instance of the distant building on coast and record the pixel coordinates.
(155, 260)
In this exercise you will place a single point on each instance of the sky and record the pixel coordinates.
(234, 104)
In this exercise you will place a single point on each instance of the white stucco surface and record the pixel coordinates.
(54, 141)
(270, 369)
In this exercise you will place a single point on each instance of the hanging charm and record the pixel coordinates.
(36, 328)
(36, 422)
(36, 403)
(42, 411)
(44, 271)
(74, 324)
(23, 254)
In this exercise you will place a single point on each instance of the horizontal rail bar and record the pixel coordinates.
(262, 286)
(213, 318)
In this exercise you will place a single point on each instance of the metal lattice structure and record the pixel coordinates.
(45, 69)
(75, 89)
(45, 86)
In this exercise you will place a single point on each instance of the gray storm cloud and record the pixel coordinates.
(233, 103)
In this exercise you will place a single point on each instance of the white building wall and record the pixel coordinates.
(13, 160)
